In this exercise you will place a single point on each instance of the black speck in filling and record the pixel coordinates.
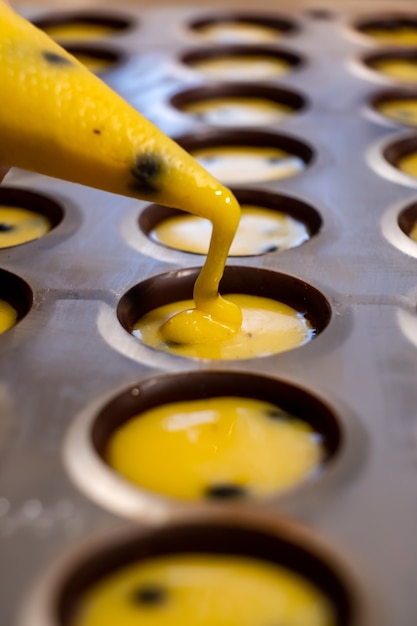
(278, 414)
(225, 491)
(55, 59)
(96, 131)
(271, 248)
(149, 595)
(5, 228)
(146, 172)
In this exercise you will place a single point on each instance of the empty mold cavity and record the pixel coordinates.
(243, 562)
(221, 435)
(26, 216)
(391, 29)
(82, 26)
(248, 156)
(242, 27)
(394, 65)
(270, 222)
(238, 104)
(280, 312)
(97, 60)
(402, 155)
(16, 300)
(241, 62)
(396, 105)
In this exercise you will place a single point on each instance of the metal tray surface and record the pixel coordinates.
(70, 355)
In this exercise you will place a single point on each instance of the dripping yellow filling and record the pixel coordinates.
(399, 36)
(238, 111)
(204, 590)
(260, 230)
(235, 164)
(78, 31)
(20, 226)
(268, 327)
(244, 67)
(8, 316)
(408, 164)
(235, 32)
(404, 111)
(400, 69)
(215, 447)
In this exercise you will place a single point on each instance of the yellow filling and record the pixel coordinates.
(236, 32)
(78, 31)
(400, 69)
(260, 230)
(20, 226)
(58, 119)
(205, 447)
(400, 36)
(8, 316)
(238, 111)
(204, 590)
(237, 164)
(413, 232)
(404, 111)
(244, 67)
(268, 327)
(94, 64)
(408, 164)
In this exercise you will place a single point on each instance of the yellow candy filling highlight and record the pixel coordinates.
(243, 67)
(399, 36)
(8, 316)
(413, 232)
(260, 230)
(268, 327)
(401, 110)
(215, 447)
(408, 164)
(19, 226)
(204, 590)
(399, 69)
(238, 111)
(78, 31)
(236, 32)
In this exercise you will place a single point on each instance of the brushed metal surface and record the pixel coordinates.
(70, 353)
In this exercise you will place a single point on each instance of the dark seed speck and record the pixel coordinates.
(149, 595)
(146, 171)
(5, 228)
(277, 414)
(96, 131)
(225, 491)
(55, 59)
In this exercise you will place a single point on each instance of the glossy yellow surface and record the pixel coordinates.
(204, 590)
(20, 226)
(268, 327)
(404, 111)
(399, 69)
(58, 119)
(203, 445)
(413, 232)
(260, 231)
(246, 164)
(408, 164)
(236, 32)
(237, 111)
(399, 36)
(243, 67)
(8, 316)
(78, 31)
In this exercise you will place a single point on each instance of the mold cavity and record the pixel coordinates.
(407, 221)
(269, 223)
(319, 14)
(393, 30)
(280, 313)
(403, 155)
(398, 65)
(16, 299)
(246, 62)
(397, 105)
(243, 568)
(97, 60)
(247, 156)
(26, 216)
(239, 104)
(79, 26)
(217, 435)
(242, 28)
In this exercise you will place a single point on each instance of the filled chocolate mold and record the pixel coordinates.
(395, 106)
(98, 60)
(195, 546)
(16, 300)
(394, 29)
(83, 25)
(392, 66)
(242, 28)
(269, 223)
